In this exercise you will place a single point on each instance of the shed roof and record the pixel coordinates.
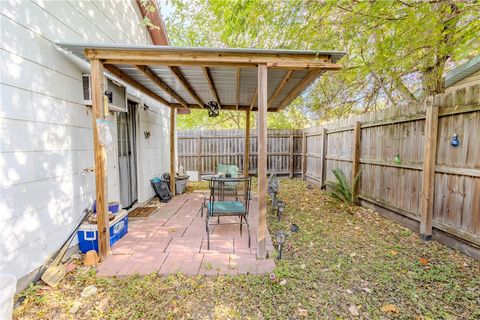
(463, 71)
(191, 77)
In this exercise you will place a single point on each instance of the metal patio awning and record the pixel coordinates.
(186, 77)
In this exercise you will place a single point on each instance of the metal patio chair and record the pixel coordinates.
(222, 202)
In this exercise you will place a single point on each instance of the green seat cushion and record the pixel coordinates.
(225, 207)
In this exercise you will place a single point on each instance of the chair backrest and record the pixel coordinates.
(228, 169)
(231, 189)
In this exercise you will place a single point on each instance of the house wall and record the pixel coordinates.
(471, 80)
(46, 131)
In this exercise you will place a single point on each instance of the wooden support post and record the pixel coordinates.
(357, 129)
(100, 156)
(246, 159)
(262, 161)
(199, 156)
(304, 155)
(324, 157)
(172, 151)
(428, 174)
(291, 163)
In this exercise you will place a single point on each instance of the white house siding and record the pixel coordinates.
(46, 131)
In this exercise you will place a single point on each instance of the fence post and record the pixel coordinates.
(199, 155)
(304, 155)
(428, 173)
(356, 157)
(324, 157)
(291, 163)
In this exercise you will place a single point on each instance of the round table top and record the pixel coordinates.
(209, 177)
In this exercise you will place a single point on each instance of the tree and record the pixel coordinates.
(397, 50)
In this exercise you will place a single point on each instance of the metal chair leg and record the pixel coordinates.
(208, 233)
(241, 224)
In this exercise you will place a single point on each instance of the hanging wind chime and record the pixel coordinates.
(213, 109)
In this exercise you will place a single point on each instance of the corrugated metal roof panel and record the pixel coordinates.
(224, 78)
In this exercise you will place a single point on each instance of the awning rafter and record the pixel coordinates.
(186, 85)
(280, 87)
(134, 83)
(159, 82)
(211, 84)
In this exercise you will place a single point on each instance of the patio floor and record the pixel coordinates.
(173, 240)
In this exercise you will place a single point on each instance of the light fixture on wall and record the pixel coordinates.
(213, 109)
(109, 95)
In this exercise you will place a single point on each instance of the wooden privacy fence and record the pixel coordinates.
(408, 167)
(409, 171)
(202, 150)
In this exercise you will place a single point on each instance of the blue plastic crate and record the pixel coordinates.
(88, 233)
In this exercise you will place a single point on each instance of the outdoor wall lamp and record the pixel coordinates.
(280, 209)
(109, 95)
(455, 142)
(280, 235)
(213, 109)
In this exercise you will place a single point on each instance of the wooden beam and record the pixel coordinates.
(254, 99)
(246, 156)
(356, 157)
(304, 155)
(262, 161)
(172, 150)
(280, 87)
(100, 156)
(311, 76)
(324, 157)
(159, 82)
(130, 81)
(172, 56)
(428, 174)
(224, 107)
(291, 155)
(238, 87)
(184, 82)
(211, 84)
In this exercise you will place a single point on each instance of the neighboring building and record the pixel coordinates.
(46, 151)
(463, 76)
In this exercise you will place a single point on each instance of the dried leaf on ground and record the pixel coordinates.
(390, 308)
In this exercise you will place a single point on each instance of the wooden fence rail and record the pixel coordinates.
(409, 171)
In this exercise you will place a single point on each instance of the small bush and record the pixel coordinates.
(341, 189)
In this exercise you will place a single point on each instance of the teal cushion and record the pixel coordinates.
(225, 207)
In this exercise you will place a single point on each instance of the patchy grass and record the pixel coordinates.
(338, 264)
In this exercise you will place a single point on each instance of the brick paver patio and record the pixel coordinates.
(173, 240)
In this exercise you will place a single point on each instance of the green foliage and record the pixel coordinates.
(290, 118)
(150, 9)
(397, 51)
(341, 188)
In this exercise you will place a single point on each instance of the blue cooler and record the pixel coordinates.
(88, 233)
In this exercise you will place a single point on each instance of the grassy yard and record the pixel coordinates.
(338, 266)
